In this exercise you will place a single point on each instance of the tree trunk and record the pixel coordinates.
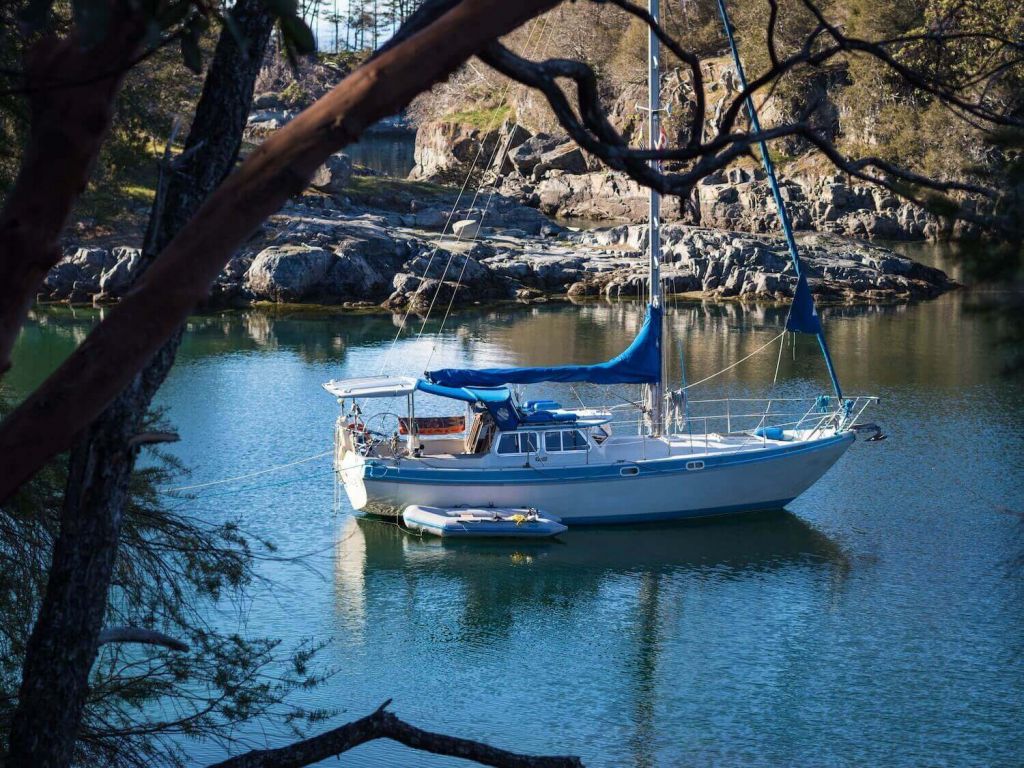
(64, 641)
(120, 346)
(71, 93)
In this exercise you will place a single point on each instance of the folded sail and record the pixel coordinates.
(640, 363)
(803, 315)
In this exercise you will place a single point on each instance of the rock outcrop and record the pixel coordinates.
(741, 200)
(730, 264)
(446, 150)
(324, 249)
(77, 276)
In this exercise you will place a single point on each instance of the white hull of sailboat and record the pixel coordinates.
(661, 489)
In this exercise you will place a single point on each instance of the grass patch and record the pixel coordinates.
(486, 119)
(363, 187)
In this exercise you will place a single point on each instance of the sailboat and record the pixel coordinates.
(579, 463)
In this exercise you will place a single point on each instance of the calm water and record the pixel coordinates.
(389, 153)
(878, 621)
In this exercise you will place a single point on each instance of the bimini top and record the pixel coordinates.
(397, 386)
(497, 400)
(373, 386)
(640, 363)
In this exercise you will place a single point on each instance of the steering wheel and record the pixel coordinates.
(381, 431)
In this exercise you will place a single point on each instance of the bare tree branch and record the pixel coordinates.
(139, 635)
(152, 438)
(688, 57)
(589, 127)
(382, 724)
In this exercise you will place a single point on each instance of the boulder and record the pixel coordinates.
(466, 229)
(568, 158)
(599, 196)
(362, 271)
(92, 260)
(116, 280)
(289, 272)
(429, 218)
(77, 276)
(60, 280)
(334, 176)
(526, 156)
(445, 149)
(267, 100)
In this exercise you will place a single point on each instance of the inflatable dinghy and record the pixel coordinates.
(482, 522)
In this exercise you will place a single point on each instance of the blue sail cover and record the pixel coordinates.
(803, 316)
(640, 363)
(498, 401)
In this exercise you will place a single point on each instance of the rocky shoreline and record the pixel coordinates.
(329, 247)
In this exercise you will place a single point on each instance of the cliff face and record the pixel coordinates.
(548, 173)
(553, 175)
(445, 150)
(741, 200)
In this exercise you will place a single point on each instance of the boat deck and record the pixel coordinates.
(623, 448)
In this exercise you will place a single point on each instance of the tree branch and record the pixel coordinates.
(153, 438)
(382, 724)
(139, 635)
(690, 58)
(75, 120)
(44, 424)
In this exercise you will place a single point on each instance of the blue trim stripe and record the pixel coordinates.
(584, 473)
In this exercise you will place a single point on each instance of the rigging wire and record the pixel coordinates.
(778, 363)
(741, 360)
(542, 25)
(493, 190)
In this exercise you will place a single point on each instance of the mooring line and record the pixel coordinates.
(197, 486)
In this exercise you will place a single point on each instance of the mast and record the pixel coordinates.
(656, 392)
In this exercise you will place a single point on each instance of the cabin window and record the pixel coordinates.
(574, 440)
(553, 442)
(509, 443)
(517, 442)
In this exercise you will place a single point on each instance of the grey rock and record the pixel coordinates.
(267, 100)
(530, 152)
(76, 277)
(429, 218)
(444, 149)
(117, 279)
(289, 272)
(568, 158)
(466, 229)
(334, 175)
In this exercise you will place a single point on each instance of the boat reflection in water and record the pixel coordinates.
(615, 625)
(484, 578)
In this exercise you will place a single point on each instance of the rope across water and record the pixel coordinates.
(197, 486)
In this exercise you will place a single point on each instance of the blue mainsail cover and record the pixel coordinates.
(640, 363)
